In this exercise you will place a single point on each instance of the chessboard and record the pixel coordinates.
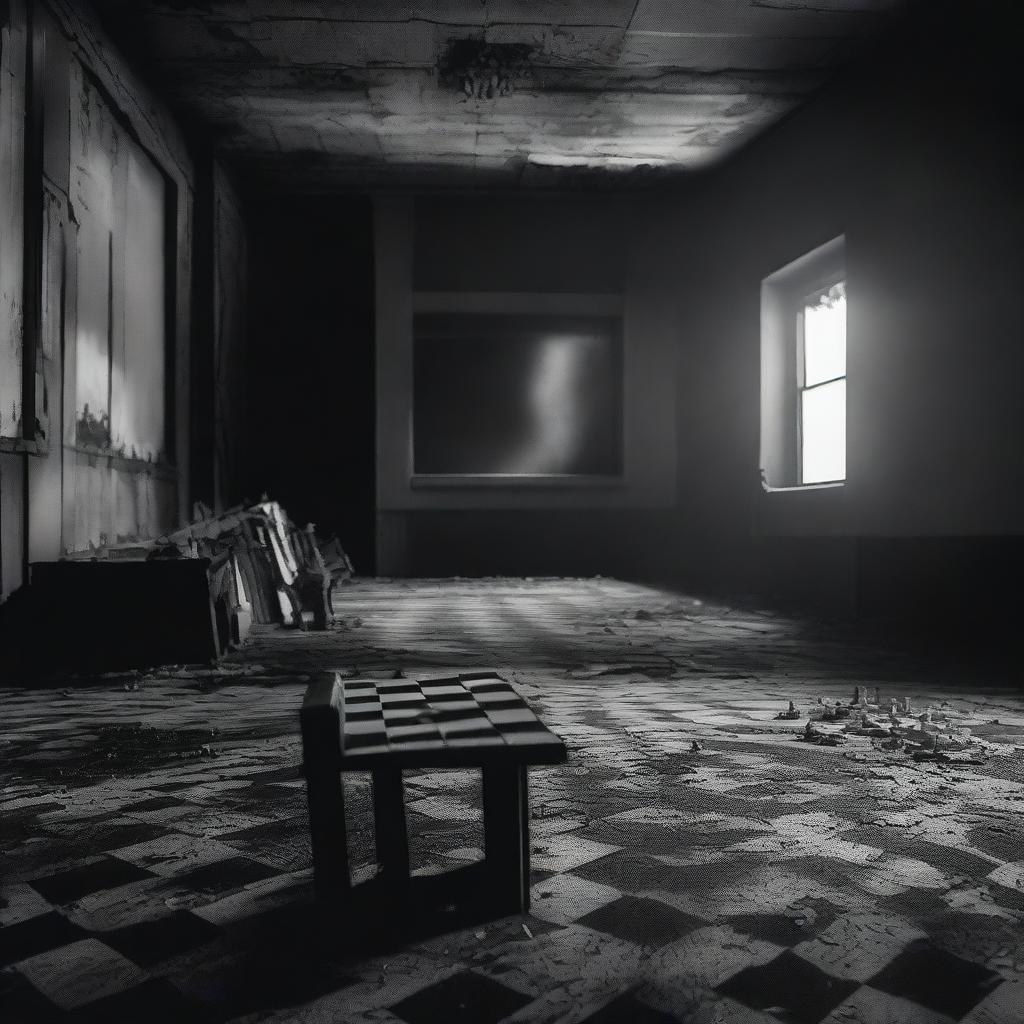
(463, 720)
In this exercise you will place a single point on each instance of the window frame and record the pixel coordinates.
(785, 293)
(809, 298)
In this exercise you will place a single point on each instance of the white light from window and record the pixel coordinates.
(823, 433)
(825, 337)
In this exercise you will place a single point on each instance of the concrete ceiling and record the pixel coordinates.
(305, 95)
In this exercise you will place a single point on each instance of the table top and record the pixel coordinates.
(472, 719)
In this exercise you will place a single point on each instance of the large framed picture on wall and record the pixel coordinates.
(517, 397)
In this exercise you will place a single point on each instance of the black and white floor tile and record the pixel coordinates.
(156, 863)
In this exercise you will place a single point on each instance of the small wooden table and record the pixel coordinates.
(385, 726)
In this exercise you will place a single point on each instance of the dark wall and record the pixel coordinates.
(917, 160)
(523, 253)
(310, 387)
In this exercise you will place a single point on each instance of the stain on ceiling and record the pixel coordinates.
(324, 96)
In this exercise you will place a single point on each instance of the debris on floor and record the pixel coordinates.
(930, 735)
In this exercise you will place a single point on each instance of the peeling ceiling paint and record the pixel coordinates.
(338, 95)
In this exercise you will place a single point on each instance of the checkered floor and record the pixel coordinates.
(156, 862)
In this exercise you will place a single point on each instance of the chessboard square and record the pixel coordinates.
(73, 884)
(801, 991)
(934, 978)
(647, 922)
(878, 1007)
(369, 714)
(512, 716)
(390, 709)
(466, 726)
(466, 996)
(150, 942)
(858, 945)
(567, 852)
(1001, 1006)
(364, 727)
(563, 898)
(627, 870)
(222, 876)
(360, 699)
(403, 716)
(155, 1001)
(481, 688)
(500, 703)
(1009, 875)
(500, 696)
(412, 731)
(19, 902)
(80, 973)
(37, 935)
(389, 687)
(402, 699)
(627, 1009)
(779, 929)
(458, 711)
(442, 688)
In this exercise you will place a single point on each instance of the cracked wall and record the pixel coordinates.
(61, 491)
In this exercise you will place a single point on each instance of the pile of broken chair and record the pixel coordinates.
(263, 568)
(186, 597)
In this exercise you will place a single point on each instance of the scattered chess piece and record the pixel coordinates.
(791, 714)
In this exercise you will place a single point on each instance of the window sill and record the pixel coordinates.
(829, 485)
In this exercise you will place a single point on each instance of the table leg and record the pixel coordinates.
(326, 797)
(507, 836)
(389, 823)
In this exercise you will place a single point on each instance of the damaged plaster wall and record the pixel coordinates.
(531, 251)
(12, 147)
(13, 37)
(59, 490)
(925, 184)
(128, 169)
(110, 154)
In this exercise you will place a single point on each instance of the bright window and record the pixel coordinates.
(803, 371)
(821, 365)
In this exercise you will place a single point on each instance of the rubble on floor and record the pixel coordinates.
(942, 735)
